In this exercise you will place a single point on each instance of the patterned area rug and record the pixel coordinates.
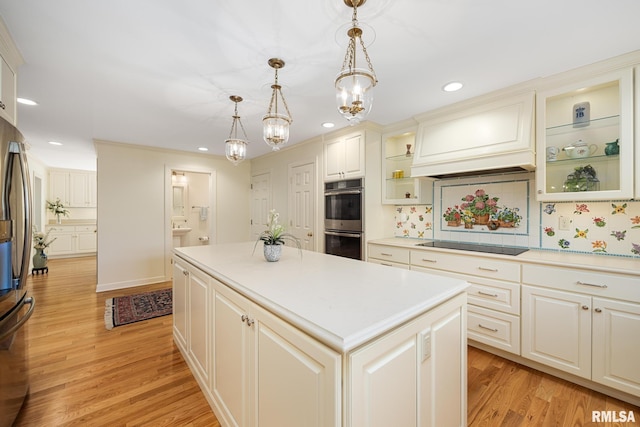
(135, 308)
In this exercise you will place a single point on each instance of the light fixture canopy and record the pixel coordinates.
(275, 124)
(354, 86)
(236, 148)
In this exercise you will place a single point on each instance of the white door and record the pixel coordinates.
(616, 350)
(302, 204)
(260, 203)
(556, 329)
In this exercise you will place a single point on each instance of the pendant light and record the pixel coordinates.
(236, 148)
(275, 124)
(354, 86)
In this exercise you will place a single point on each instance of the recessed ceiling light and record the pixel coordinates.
(452, 86)
(327, 125)
(26, 101)
(55, 143)
(203, 149)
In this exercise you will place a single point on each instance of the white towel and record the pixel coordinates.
(203, 213)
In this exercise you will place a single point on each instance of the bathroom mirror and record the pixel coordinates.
(179, 195)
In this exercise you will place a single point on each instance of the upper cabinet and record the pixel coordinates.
(10, 60)
(398, 187)
(493, 132)
(75, 189)
(344, 157)
(585, 139)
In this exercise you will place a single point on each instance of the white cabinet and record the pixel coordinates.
(485, 133)
(72, 240)
(344, 157)
(7, 91)
(493, 294)
(399, 380)
(267, 373)
(584, 323)
(578, 125)
(192, 317)
(388, 255)
(398, 187)
(75, 189)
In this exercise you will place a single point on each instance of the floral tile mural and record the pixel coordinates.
(414, 221)
(611, 228)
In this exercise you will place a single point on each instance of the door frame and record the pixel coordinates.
(318, 208)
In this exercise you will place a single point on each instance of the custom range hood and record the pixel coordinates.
(486, 135)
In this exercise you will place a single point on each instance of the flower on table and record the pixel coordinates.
(57, 208)
(599, 222)
(41, 240)
(275, 233)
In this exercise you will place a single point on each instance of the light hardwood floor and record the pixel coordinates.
(84, 375)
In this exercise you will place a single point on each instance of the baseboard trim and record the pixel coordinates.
(104, 287)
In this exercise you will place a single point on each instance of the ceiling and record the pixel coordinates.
(160, 72)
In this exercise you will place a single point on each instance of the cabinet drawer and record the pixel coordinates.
(501, 296)
(389, 253)
(85, 228)
(493, 328)
(476, 266)
(389, 263)
(608, 285)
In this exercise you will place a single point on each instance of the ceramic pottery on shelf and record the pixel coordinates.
(272, 252)
(612, 148)
(39, 258)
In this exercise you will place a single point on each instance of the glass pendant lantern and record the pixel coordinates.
(275, 124)
(236, 148)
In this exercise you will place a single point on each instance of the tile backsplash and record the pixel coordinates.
(605, 228)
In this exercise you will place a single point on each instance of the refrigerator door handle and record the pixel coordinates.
(18, 149)
(32, 302)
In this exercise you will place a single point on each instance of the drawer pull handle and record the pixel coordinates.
(585, 307)
(591, 284)
(429, 260)
(385, 254)
(488, 269)
(487, 328)
(388, 265)
(488, 294)
(598, 310)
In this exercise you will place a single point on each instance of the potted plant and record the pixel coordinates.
(509, 217)
(453, 216)
(40, 243)
(480, 205)
(57, 208)
(468, 218)
(274, 238)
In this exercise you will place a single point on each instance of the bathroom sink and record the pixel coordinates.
(181, 231)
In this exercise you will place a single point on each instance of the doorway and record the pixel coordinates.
(302, 204)
(260, 203)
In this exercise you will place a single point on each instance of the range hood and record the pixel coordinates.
(481, 136)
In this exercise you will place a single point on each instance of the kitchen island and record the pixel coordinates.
(315, 339)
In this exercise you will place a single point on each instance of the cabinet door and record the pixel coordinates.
(7, 92)
(354, 156)
(86, 241)
(298, 379)
(556, 329)
(59, 187)
(578, 126)
(616, 351)
(198, 323)
(180, 282)
(334, 160)
(231, 356)
(64, 243)
(78, 190)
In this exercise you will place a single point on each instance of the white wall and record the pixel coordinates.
(133, 220)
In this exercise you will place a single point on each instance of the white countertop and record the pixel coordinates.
(602, 263)
(343, 303)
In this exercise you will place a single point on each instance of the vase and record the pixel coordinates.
(454, 223)
(493, 225)
(39, 258)
(468, 225)
(58, 219)
(482, 219)
(272, 252)
(612, 148)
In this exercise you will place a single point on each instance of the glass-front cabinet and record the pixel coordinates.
(399, 188)
(585, 139)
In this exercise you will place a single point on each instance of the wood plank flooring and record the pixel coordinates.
(84, 375)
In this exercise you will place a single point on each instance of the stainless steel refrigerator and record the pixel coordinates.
(15, 248)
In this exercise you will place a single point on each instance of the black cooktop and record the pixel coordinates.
(475, 247)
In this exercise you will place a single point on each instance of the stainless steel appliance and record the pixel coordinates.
(475, 247)
(15, 248)
(343, 224)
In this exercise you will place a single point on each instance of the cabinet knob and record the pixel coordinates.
(185, 272)
(250, 322)
(585, 307)
(309, 234)
(598, 310)
(244, 318)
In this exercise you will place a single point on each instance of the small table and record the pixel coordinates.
(38, 270)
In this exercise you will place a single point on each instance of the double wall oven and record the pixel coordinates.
(343, 218)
